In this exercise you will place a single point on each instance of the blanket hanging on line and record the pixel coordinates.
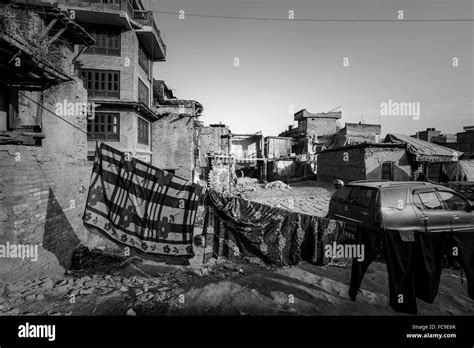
(140, 206)
(235, 227)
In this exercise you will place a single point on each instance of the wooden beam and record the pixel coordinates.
(82, 50)
(58, 34)
(48, 28)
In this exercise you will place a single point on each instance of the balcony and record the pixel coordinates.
(150, 35)
(108, 12)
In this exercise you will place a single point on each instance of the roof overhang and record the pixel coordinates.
(104, 16)
(118, 105)
(33, 75)
(153, 43)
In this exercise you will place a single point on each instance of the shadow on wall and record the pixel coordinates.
(59, 237)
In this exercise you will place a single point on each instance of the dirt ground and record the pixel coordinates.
(113, 285)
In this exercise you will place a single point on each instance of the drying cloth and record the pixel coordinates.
(235, 227)
(414, 264)
(140, 206)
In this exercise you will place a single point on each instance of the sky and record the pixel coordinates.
(286, 66)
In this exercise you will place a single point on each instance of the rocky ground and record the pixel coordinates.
(109, 284)
(138, 287)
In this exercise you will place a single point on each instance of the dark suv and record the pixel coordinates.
(403, 206)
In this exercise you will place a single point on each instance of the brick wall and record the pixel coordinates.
(173, 144)
(331, 165)
(43, 191)
(363, 163)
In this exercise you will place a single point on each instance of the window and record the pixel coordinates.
(143, 93)
(429, 201)
(101, 83)
(394, 198)
(143, 131)
(105, 126)
(363, 197)
(342, 194)
(143, 59)
(453, 201)
(107, 41)
(8, 109)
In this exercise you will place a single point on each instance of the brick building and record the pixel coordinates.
(314, 131)
(44, 173)
(212, 139)
(175, 134)
(358, 133)
(118, 71)
(364, 162)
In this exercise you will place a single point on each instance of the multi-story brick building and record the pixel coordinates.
(118, 71)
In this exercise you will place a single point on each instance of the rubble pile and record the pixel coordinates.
(141, 294)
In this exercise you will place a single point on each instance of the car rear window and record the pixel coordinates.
(342, 193)
(363, 197)
(394, 198)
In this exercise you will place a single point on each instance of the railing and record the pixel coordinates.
(122, 5)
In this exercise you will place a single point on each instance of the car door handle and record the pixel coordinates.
(424, 217)
(364, 213)
(455, 217)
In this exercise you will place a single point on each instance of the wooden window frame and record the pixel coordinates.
(142, 126)
(107, 41)
(142, 56)
(101, 83)
(142, 87)
(104, 119)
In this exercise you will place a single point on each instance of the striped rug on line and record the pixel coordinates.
(140, 206)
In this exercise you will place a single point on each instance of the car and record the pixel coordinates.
(402, 206)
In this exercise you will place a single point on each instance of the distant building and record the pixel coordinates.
(364, 161)
(462, 141)
(358, 133)
(427, 135)
(465, 140)
(315, 131)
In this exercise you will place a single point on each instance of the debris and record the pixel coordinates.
(47, 284)
(61, 289)
(277, 185)
(90, 283)
(123, 289)
(40, 297)
(131, 312)
(87, 291)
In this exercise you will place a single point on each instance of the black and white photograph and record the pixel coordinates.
(222, 164)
